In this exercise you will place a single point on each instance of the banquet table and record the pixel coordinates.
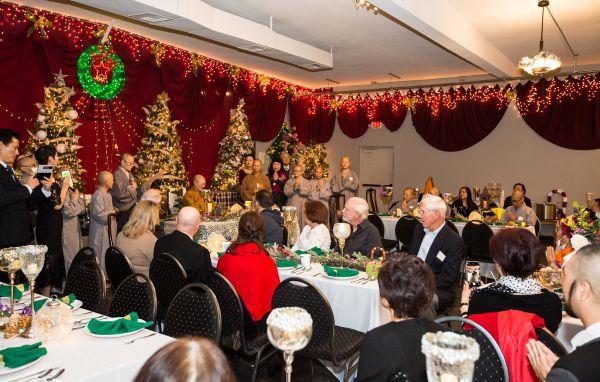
(91, 359)
(228, 228)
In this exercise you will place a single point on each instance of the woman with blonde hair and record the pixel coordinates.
(137, 238)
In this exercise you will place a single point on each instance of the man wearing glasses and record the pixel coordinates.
(124, 192)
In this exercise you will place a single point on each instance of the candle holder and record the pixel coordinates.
(449, 356)
(341, 231)
(10, 263)
(289, 330)
(32, 261)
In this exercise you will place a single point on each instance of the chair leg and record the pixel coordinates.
(312, 369)
(256, 364)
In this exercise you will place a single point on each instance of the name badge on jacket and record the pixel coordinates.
(440, 256)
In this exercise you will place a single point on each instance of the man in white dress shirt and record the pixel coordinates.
(581, 287)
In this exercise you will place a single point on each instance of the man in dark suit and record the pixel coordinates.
(440, 247)
(193, 257)
(15, 198)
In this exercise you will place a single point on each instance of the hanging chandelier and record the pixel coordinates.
(544, 63)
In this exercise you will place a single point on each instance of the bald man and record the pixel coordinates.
(197, 195)
(346, 181)
(124, 192)
(519, 212)
(193, 257)
(100, 207)
(254, 182)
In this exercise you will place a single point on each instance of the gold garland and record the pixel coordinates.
(40, 23)
(157, 50)
(196, 61)
(410, 103)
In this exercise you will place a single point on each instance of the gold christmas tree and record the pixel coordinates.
(236, 143)
(160, 154)
(312, 156)
(55, 125)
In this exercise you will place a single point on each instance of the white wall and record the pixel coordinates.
(511, 153)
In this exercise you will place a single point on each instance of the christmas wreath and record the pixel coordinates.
(563, 196)
(101, 72)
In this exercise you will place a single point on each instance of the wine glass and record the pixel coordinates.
(289, 330)
(341, 231)
(32, 261)
(10, 263)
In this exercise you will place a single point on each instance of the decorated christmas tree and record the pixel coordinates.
(312, 156)
(286, 141)
(56, 124)
(160, 154)
(236, 143)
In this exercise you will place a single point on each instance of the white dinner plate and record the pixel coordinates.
(87, 331)
(341, 278)
(6, 370)
(74, 306)
(285, 269)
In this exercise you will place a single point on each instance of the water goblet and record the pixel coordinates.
(10, 263)
(32, 261)
(341, 231)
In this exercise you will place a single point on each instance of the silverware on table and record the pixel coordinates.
(55, 375)
(39, 374)
(358, 280)
(139, 338)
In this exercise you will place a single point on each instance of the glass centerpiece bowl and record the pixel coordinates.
(450, 357)
(54, 321)
(341, 231)
(32, 261)
(289, 330)
(10, 263)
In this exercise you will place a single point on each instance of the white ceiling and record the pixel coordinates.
(367, 46)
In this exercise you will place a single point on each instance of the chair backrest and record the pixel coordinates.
(491, 365)
(194, 312)
(84, 254)
(537, 226)
(168, 277)
(112, 226)
(376, 221)
(88, 284)
(232, 311)
(395, 205)
(372, 199)
(452, 226)
(476, 236)
(336, 203)
(285, 235)
(295, 291)
(405, 227)
(118, 266)
(546, 337)
(135, 294)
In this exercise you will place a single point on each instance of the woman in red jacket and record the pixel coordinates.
(250, 269)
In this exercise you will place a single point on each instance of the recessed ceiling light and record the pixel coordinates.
(150, 17)
(314, 66)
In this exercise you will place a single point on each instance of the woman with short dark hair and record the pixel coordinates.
(406, 288)
(251, 271)
(185, 360)
(464, 205)
(315, 233)
(515, 252)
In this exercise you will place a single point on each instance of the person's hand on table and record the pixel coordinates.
(541, 358)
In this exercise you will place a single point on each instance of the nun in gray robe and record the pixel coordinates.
(297, 189)
(73, 206)
(100, 207)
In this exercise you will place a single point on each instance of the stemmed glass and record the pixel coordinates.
(289, 330)
(10, 263)
(32, 262)
(341, 231)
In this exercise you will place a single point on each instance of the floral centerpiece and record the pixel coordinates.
(582, 223)
(386, 193)
(331, 258)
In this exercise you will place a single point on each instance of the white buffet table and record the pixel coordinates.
(91, 359)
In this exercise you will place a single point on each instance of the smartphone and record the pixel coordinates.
(472, 273)
(66, 173)
(44, 171)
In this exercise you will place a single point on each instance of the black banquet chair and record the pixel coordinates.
(332, 343)
(86, 281)
(491, 365)
(135, 294)
(233, 336)
(118, 266)
(452, 225)
(476, 235)
(546, 337)
(168, 277)
(405, 228)
(378, 223)
(85, 253)
(194, 312)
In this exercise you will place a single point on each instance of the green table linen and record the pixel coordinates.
(21, 355)
(340, 272)
(129, 323)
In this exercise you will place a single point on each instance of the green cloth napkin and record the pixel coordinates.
(19, 290)
(21, 355)
(316, 250)
(286, 263)
(339, 272)
(37, 305)
(127, 324)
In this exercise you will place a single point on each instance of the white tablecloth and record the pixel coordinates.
(91, 359)
(227, 228)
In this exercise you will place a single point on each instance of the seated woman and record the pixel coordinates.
(406, 287)
(187, 359)
(464, 205)
(250, 269)
(315, 233)
(515, 253)
(137, 238)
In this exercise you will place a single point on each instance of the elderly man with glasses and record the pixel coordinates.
(364, 236)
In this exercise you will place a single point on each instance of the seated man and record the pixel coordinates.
(409, 201)
(519, 212)
(365, 235)
(193, 257)
(581, 286)
(196, 196)
(521, 188)
(439, 246)
(273, 221)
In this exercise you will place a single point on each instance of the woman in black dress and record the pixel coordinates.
(464, 205)
(278, 177)
(406, 287)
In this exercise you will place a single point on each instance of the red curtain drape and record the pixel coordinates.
(566, 113)
(353, 116)
(313, 117)
(459, 118)
(389, 109)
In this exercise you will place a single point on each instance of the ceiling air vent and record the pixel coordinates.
(150, 17)
(314, 66)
